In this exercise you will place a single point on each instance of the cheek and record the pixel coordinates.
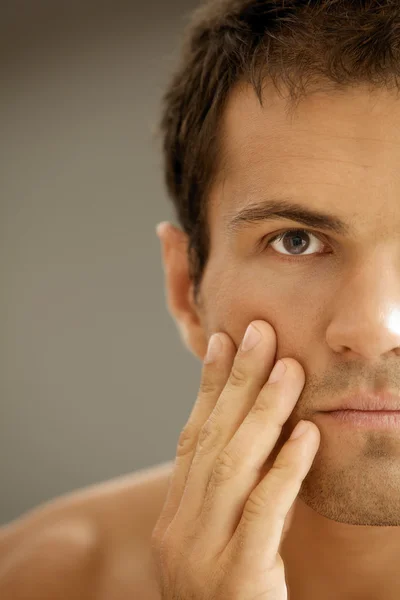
(236, 298)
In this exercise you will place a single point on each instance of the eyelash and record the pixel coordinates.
(280, 236)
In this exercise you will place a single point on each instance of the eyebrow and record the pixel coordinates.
(285, 208)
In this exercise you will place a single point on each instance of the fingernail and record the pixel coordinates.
(277, 372)
(214, 349)
(251, 338)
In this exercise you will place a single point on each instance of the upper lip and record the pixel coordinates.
(369, 401)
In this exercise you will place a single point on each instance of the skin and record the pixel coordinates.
(343, 329)
(337, 153)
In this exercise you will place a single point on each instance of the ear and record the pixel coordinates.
(179, 289)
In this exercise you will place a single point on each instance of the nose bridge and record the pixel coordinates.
(366, 313)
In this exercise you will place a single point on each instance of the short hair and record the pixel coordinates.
(304, 45)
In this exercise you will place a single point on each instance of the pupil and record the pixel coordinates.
(298, 243)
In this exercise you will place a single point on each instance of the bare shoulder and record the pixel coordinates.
(96, 541)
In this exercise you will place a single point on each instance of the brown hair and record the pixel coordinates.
(302, 44)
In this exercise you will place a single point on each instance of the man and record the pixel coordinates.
(282, 123)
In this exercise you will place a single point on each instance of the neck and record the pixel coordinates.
(327, 559)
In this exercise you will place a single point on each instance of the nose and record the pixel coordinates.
(366, 311)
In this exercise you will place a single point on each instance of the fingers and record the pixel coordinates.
(258, 535)
(249, 372)
(222, 514)
(238, 467)
(213, 380)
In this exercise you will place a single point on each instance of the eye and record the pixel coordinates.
(296, 242)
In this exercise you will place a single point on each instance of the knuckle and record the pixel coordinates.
(208, 436)
(281, 469)
(261, 408)
(238, 376)
(225, 468)
(278, 473)
(208, 386)
(285, 472)
(282, 476)
(255, 506)
(264, 417)
(186, 441)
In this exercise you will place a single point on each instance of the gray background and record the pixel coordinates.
(95, 381)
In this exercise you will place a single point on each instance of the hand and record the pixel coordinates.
(222, 524)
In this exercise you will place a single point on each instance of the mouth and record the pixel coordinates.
(367, 410)
(369, 401)
(370, 419)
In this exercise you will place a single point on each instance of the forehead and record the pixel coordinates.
(337, 150)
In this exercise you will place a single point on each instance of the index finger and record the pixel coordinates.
(213, 380)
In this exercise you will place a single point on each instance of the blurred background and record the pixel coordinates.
(95, 381)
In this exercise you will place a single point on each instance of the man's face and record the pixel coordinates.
(333, 298)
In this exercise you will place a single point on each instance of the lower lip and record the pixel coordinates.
(370, 419)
